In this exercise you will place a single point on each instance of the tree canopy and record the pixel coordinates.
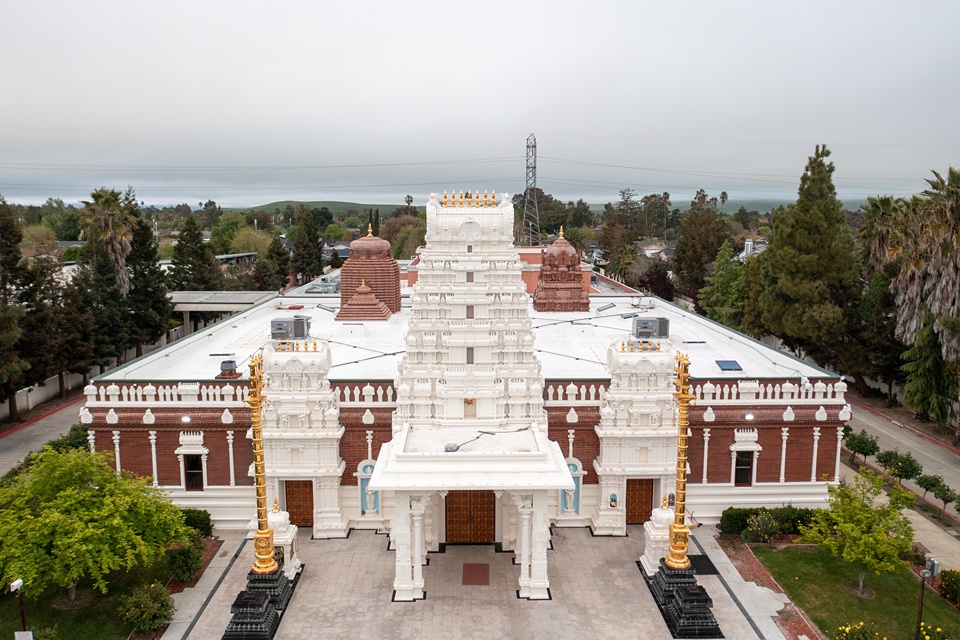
(74, 517)
(861, 530)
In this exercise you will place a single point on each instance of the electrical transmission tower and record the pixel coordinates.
(530, 233)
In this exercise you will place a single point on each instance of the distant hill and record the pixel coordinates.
(333, 205)
(733, 205)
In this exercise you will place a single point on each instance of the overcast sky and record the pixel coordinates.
(251, 102)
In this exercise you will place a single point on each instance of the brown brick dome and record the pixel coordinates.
(370, 263)
(560, 286)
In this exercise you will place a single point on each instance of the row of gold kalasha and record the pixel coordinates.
(293, 345)
(639, 345)
(471, 200)
(263, 538)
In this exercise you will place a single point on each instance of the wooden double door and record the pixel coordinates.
(470, 517)
(639, 500)
(299, 498)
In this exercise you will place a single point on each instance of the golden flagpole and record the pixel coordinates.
(263, 538)
(679, 533)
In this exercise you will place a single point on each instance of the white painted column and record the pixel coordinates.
(539, 588)
(813, 464)
(756, 463)
(404, 584)
(706, 453)
(203, 462)
(153, 456)
(784, 433)
(92, 439)
(418, 549)
(116, 448)
(836, 464)
(733, 466)
(233, 474)
(328, 518)
(524, 541)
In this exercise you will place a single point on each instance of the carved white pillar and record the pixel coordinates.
(813, 464)
(784, 434)
(92, 439)
(756, 463)
(836, 464)
(328, 517)
(733, 466)
(405, 587)
(525, 508)
(203, 462)
(706, 453)
(539, 585)
(116, 448)
(570, 435)
(233, 475)
(153, 456)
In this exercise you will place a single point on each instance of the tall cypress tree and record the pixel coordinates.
(306, 260)
(96, 281)
(12, 366)
(194, 265)
(149, 305)
(811, 271)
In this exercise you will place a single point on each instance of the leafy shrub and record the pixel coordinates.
(914, 556)
(791, 518)
(186, 559)
(147, 608)
(734, 519)
(859, 631)
(198, 520)
(761, 527)
(47, 633)
(949, 585)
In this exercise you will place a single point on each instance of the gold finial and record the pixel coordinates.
(263, 538)
(623, 345)
(363, 283)
(461, 197)
(314, 345)
(658, 345)
(663, 503)
(369, 228)
(630, 345)
(486, 200)
(444, 197)
(296, 345)
(276, 505)
(561, 231)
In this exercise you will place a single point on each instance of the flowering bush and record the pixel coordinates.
(949, 585)
(147, 608)
(761, 527)
(861, 631)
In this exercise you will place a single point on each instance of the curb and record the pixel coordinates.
(41, 417)
(921, 434)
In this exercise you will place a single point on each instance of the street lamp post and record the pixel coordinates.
(17, 586)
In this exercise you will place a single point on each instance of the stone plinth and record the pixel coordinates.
(684, 604)
(253, 617)
(656, 534)
(285, 537)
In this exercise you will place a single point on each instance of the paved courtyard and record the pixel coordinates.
(597, 591)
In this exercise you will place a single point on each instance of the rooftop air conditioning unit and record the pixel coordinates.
(295, 328)
(651, 328)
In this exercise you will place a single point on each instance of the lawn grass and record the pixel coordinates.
(823, 587)
(99, 620)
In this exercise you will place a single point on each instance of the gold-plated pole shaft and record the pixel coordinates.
(679, 533)
(263, 538)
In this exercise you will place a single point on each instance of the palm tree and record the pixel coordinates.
(875, 234)
(622, 260)
(578, 238)
(110, 216)
(927, 235)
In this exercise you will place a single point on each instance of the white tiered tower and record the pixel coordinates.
(470, 412)
(302, 430)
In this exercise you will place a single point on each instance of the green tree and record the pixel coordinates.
(278, 254)
(194, 266)
(930, 383)
(109, 217)
(75, 517)
(946, 495)
(702, 232)
(579, 214)
(654, 211)
(863, 444)
(307, 259)
(10, 237)
(726, 289)
(249, 240)
(74, 326)
(926, 236)
(96, 282)
(882, 350)
(150, 308)
(928, 483)
(811, 272)
(855, 528)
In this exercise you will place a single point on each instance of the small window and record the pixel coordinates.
(469, 355)
(469, 248)
(469, 276)
(743, 471)
(193, 470)
(469, 312)
(729, 365)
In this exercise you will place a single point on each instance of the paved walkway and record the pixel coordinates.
(597, 592)
(36, 432)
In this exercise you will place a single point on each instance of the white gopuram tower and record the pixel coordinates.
(638, 433)
(302, 431)
(470, 427)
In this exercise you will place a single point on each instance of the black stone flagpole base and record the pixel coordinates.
(684, 604)
(258, 608)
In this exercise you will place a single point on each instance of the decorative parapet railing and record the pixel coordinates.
(183, 393)
(573, 394)
(355, 395)
(753, 392)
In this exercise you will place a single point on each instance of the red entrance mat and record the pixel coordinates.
(476, 574)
